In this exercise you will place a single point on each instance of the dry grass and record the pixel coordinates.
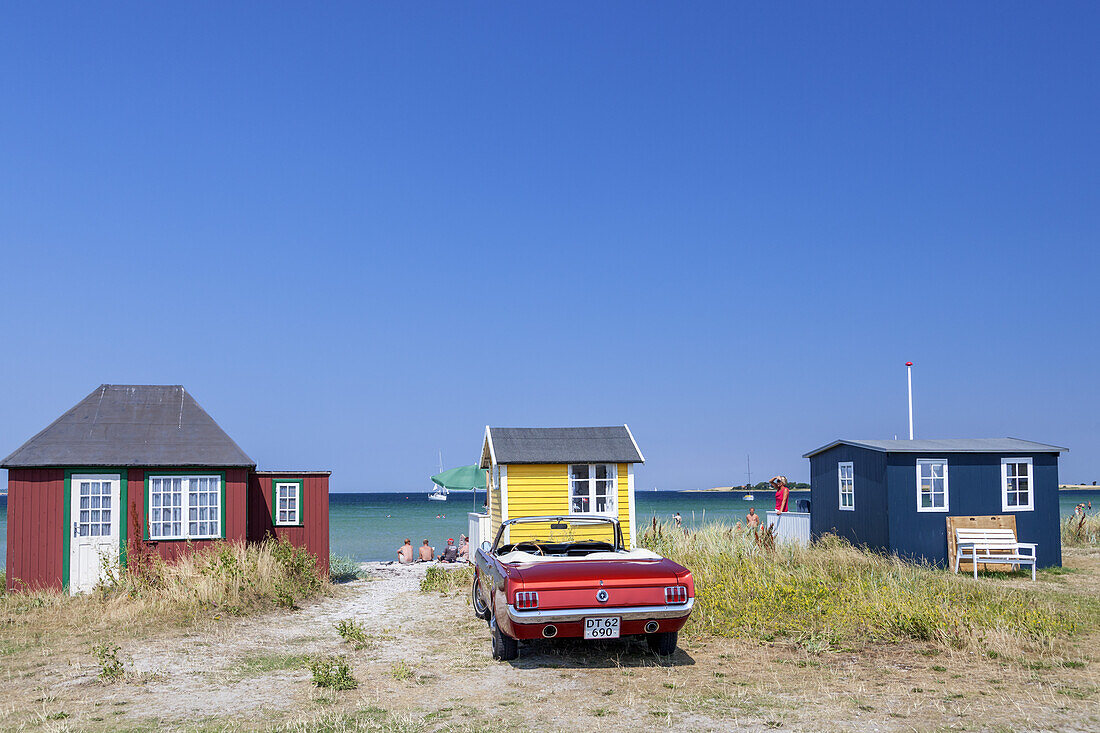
(221, 579)
(1081, 530)
(832, 594)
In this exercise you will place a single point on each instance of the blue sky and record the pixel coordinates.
(358, 233)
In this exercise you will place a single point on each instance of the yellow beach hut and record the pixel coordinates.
(560, 471)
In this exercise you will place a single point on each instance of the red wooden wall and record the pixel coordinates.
(36, 510)
(313, 534)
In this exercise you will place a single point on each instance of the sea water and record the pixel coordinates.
(372, 526)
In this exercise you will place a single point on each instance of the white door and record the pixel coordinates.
(95, 528)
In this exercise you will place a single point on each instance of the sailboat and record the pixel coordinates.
(748, 478)
(440, 494)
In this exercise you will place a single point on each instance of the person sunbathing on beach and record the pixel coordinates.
(405, 552)
(450, 552)
(427, 553)
(752, 519)
(463, 548)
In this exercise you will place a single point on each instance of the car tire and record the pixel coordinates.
(663, 642)
(505, 648)
(480, 609)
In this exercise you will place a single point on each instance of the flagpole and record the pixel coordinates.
(909, 371)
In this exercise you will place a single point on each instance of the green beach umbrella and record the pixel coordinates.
(463, 478)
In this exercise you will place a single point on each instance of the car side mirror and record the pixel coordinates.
(487, 545)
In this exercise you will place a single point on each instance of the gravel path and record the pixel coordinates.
(235, 668)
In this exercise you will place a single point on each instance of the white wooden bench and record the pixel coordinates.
(992, 546)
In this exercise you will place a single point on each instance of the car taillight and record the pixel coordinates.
(527, 599)
(676, 594)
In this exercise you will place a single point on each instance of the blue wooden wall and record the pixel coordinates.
(974, 489)
(867, 524)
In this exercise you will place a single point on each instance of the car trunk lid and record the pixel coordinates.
(576, 583)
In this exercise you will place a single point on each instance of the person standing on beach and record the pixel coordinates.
(405, 552)
(752, 519)
(427, 554)
(679, 520)
(782, 493)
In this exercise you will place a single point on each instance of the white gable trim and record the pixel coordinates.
(634, 442)
(488, 443)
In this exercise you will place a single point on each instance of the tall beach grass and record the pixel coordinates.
(1081, 530)
(224, 578)
(832, 593)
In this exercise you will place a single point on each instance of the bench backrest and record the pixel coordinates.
(989, 538)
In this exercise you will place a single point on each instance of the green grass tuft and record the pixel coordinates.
(442, 579)
(110, 667)
(333, 673)
(258, 665)
(342, 569)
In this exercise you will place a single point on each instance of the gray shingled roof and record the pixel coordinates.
(956, 445)
(132, 425)
(560, 445)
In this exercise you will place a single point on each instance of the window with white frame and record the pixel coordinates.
(592, 488)
(932, 490)
(288, 502)
(846, 479)
(1017, 493)
(185, 507)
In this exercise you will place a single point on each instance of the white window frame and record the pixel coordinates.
(185, 506)
(1030, 506)
(613, 490)
(851, 485)
(946, 486)
(275, 486)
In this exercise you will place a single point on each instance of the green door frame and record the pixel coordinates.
(123, 516)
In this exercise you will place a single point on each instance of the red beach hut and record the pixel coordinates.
(145, 466)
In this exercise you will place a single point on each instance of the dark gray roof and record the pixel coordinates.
(954, 445)
(560, 445)
(132, 425)
(293, 473)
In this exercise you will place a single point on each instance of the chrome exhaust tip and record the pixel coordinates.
(550, 631)
(652, 627)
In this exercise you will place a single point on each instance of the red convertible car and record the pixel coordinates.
(567, 585)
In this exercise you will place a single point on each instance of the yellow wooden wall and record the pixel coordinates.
(535, 490)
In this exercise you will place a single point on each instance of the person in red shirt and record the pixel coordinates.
(782, 493)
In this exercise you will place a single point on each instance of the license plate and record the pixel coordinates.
(601, 627)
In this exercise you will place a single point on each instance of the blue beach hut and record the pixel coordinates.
(894, 495)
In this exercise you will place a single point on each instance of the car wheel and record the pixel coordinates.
(663, 643)
(505, 648)
(480, 609)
